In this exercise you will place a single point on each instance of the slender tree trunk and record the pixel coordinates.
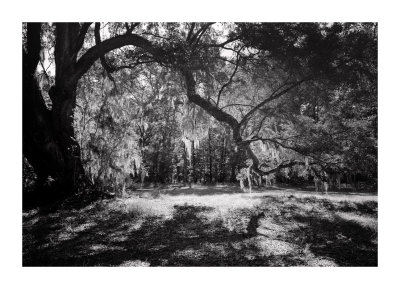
(156, 166)
(185, 166)
(241, 184)
(222, 162)
(210, 156)
(233, 166)
(203, 161)
(193, 171)
(248, 172)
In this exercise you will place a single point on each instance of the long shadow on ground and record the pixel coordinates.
(187, 239)
(344, 232)
(305, 229)
(346, 242)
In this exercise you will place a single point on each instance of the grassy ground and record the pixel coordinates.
(207, 226)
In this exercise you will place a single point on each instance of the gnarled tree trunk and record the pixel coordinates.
(48, 135)
(63, 96)
(39, 144)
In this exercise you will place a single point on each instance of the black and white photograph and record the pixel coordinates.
(181, 144)
(209, 144)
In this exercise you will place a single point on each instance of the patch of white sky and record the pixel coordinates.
(49, 66)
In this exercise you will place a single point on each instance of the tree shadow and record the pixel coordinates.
(194, 235)
(345, 241)
(344, 232)
(188, 238)
(112, 241)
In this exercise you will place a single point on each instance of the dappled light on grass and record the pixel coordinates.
(296, 229)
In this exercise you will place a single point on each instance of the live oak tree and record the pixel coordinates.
(48, 135)
(288, 94)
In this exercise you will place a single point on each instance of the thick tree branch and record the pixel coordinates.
(81, 37)
(211, 108)
(192, 25)
(87, 60)
(33, 47)
(109, 70)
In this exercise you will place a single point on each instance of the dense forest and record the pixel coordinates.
(112, 107)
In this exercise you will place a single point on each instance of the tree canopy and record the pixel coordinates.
(191, 102)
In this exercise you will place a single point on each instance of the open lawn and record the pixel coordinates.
(207, 226)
